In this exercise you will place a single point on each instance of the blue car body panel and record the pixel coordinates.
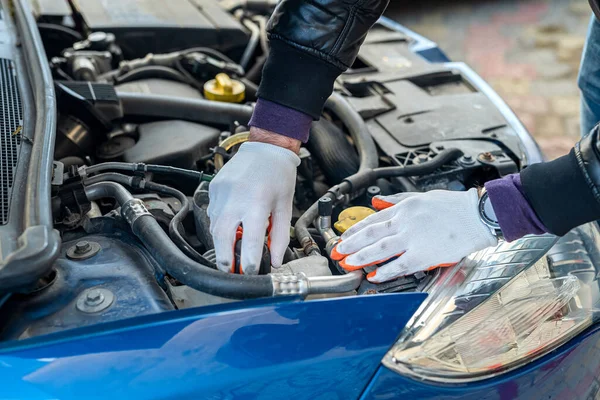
(322, 349)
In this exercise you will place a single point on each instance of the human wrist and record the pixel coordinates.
(280, 119)
(265, 136)
(514, 213)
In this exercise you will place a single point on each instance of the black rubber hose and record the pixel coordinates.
(141, 167)
(177, 220)
(359, 131)
(194, 110)
(108, 189)
(252, 43)
(196, 275)
(332, 151)
(211, 52)
(152, 71)
(424, 168)
(191, 80)
(251, 89)
(254, 73)
(188, 272)
(368, 160)
(46, 28)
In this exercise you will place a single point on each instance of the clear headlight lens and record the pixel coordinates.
(501, 308)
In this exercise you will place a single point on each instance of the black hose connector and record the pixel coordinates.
(325, 206)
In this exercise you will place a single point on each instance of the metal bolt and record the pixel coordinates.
(421, 158)
(94, 297)
(82, 247)
(466, 160)
(95, 300)
(487, 156)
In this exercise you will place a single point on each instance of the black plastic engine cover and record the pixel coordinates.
(160, 87)
(159, 26)
(175, 143)
(409, 103)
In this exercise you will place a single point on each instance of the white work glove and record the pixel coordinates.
(257, 183)
(423, 230)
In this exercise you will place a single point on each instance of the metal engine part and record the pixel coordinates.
(86, 112)
(86, 65)
(74, 138)
(89, 58)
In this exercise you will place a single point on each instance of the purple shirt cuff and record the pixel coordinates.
(515, 216)
(281, 119)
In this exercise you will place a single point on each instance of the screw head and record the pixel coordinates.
(94, 300)
(466, 160)
(94, 297)
(82, 247)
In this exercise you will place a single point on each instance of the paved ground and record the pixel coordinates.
(528, 50)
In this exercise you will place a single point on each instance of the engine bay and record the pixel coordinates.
(153, 99)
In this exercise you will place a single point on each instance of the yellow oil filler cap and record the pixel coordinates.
(223, 88)
(351, 216)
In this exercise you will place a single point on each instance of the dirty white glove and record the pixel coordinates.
(423, 230)
(257, 183)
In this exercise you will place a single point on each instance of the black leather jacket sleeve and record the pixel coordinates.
(595, 4)
(312, 43)
(565, 193)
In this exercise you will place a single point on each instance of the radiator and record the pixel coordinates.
(11, 124)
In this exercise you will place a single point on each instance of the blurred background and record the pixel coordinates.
(528, 50)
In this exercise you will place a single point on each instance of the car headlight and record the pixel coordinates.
(501, 308)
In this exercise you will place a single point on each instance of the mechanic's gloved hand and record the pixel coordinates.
(257, 183)
(423, 230)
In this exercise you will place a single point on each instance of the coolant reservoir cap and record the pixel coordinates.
(223, 88)
(351, 216)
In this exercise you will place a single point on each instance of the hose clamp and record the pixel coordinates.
(290, 284)
(82, 172)
(132, 210)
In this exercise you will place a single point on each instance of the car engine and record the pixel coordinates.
(153, 98)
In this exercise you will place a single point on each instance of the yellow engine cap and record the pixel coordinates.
(351, 216)
(223, 88)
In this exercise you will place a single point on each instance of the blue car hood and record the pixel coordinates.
(320, 349)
